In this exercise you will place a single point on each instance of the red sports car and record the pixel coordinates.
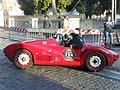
(55, 51)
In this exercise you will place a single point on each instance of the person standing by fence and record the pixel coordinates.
(61, 22)
(66, 22)
(64, 25)
(47, 22)
(107, 31)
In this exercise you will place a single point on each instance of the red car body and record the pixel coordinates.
(50, 52)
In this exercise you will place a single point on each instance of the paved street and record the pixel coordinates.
(51, 77)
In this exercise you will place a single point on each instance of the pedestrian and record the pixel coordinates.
(107, 31)
(61, 22)
(66, 23)
(47, 22)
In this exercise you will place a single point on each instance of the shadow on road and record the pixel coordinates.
(15, 79)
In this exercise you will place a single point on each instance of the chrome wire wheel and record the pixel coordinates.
(23, 59)
(95, 61)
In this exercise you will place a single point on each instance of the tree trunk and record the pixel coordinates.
(54, 7)
(36, 7)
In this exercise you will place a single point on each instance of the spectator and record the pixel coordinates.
(64, 26)
(61, 22)
(47, 22)
(107, 31)
(66, 23)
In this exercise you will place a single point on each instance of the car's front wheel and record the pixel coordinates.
(23, 59)
(95, 61)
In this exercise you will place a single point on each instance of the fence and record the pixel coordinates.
(89, 36)
(18, 33)
(22, 33)
(116, 37)
(39, 22)
(92, 36)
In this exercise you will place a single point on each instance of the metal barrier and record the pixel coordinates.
(23, 33)
(38, 35)
(18, 33)
(96, 36)
(90, 36)
(116, 37)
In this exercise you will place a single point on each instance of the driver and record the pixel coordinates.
(77, 40)
(71, 37)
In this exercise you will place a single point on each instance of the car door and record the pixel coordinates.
(45, 52)
(65, 56)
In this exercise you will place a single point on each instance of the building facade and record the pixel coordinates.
(9, 8)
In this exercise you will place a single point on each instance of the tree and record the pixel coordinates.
(118, 6)
(62, 4)
(97, 7)
(44, 5)
(54, 7)
(32, 7)
(27, 6)
(105, 5)
(81, 7)
(36, 7)
(89, 7)
(58, 6)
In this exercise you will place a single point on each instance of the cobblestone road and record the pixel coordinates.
(49, 77)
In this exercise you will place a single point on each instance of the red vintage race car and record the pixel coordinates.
(55, 51)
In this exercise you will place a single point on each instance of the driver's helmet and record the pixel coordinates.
(75, 32)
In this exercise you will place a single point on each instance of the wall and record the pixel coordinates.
(38, 22)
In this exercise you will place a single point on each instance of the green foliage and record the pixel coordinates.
(44, 5)
(32, 7)
(97, 8)
(118, 6)
(62, 4)
(81, 8)
(27, 6)
(105, 5)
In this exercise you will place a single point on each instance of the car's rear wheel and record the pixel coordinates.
(95, 61)
(23, 59)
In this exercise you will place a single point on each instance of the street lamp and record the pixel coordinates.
(114, 6)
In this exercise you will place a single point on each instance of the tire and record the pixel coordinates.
(95, 62)
(23, 59)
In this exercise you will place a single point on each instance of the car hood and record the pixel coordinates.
(39, 41)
